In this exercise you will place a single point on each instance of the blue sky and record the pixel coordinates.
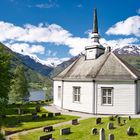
(55, 30)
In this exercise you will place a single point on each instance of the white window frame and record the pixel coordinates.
(59, 92)
(76, 94)
(106, 93)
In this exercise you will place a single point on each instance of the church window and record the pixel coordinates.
(107, 94)
(76, 94)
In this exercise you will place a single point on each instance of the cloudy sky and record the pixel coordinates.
(56, 30)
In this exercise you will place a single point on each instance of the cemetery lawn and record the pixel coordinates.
(83, 131)
(10, 124)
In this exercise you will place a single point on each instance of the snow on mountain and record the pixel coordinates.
(128, 50)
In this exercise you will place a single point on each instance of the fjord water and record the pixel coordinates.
(36, 95)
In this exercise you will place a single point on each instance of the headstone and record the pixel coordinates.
(129, 117)
(46, 137)
(124, 121)
(65, 131)
(102, 134)
(110, 126)
(111, 137)
(57, 114)
(75, 122)
(98, 120)
(50, 115)
(43, 116)
(38, 108)
(94, 131)
(48, 129)
(118, 120)
(130, 131)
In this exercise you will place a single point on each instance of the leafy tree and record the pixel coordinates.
(5, 75)
(19, 87)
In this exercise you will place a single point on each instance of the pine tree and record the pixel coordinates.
(19, 87)
(5, 75)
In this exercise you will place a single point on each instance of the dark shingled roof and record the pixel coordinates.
(106, 67)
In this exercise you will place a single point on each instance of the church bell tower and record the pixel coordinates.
(96, 49)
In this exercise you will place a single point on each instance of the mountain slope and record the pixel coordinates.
(32, 75)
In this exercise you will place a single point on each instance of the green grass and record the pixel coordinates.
(10, 123)
(83, 131)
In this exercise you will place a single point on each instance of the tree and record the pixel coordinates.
(19, 87)
(5, 75)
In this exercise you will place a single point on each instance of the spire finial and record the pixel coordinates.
(95, 23)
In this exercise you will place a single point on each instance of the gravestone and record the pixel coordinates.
(94, 131)
(118, 120)
(98, 120)
(19, 111)
(75, 122)
(130, 131)
(129, 117)
(124, 121)
(48, 129)
(46, 137)
(65, 131)
(50, 115)
(102, 134)
(38, 108)
(111, 137)
(110, 126)
(57, 114)
(43, 116)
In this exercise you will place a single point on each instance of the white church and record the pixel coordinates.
(98, 82)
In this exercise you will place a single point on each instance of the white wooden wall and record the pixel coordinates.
(56, 100)
(86, 102)
(123, 98)
(138, 95)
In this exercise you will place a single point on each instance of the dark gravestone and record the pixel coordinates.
(65, 131)
(94, 131)
(124, 121)
(57, 114)
(129, 117)
(111, 137)
(38, 108)
(46, 137)
(75, 122)
(43, 116)
(110, 126)
(50, 115)
(130, 131)
(48, 129)
(98, 120)
(118, 120)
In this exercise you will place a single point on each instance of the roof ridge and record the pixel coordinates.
(102, 65)
(127, 66)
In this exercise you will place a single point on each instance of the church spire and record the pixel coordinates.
(95, 23)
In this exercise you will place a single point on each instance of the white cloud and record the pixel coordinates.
(138, 11)
(49, 4)
(42, 33)
(54, 61)
(79, 6)
(26, 49)
(130, 26)
(118, 43)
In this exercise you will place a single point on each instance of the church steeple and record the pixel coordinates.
(95, 22)
(95, 50)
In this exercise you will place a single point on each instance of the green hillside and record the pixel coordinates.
(35, 79)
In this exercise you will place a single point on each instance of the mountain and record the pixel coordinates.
(62, 66)
(36, 73)
(128, 50)
(35, 65)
